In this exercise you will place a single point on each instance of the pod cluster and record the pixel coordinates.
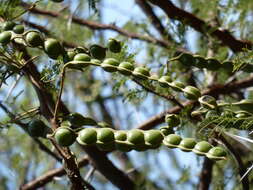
(107, 139)
(12, 31)
(202, 148)
(141, 73)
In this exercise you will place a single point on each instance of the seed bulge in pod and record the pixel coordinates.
(9, 25)
(216, 153)
(19, 29)
(172, 120)
(164, 81)
(191, 93)
(153, 137)
(53, 48)
(87, 136)
(187, 144)
(110, 65)
(135, 136)
(5, 37)
(120, 135)
(126, 68)
(105, 135)
(141, 72)
(177, 86)
(114, 45)
(172, 140)
(97, 51)
(34, 39)
(37, 128)
(64, 136)
(202, 147)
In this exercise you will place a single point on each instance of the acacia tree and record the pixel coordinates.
(84, 108)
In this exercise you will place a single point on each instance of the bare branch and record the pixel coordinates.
(187, 18)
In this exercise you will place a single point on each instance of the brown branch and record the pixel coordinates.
(50, 175)
(147, 9)
(187, 18)
(206, 175)
(98, 26)
(47, 105)
(106, 167)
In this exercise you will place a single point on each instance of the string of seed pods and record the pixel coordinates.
(189, 60)
(107, 138)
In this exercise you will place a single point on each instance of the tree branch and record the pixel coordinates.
(98, 26)
(147, 9)
(199, 25)
(50, 175)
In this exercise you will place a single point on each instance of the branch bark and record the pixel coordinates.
(98, 26)
(200, 25)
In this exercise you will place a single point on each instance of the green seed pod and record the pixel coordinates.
(105, 146)
(114, 45)
(37, 128)
(105, 135)
(5, 37)
(227, 66)
(53, 48)
(97, 51)
(126, 68)
(9, 25)
(19, 29)
(87, 136)
(166, 130)
(123, 146)
(64, 136)
(186, 59)
(80, 59)
(110, 65)
(191, 93)
(208, 102)
(187, 144)
(201, 148)
(245, 104)
(172, 120)
(120, 135)
(153, 137)
(177, 86)
(172, 140)
(216, 153)
(135, 136)
(141, 73)
(211, 114)
(199, 61)
(164, 81)
(33, 39)
(78, 120)
(213, 64)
